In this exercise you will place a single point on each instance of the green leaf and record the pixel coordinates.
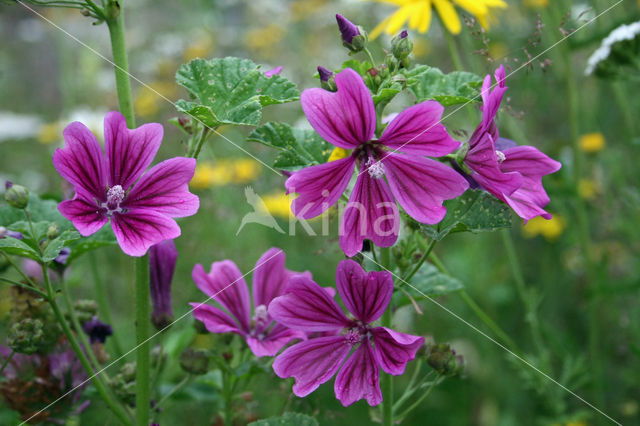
(387, 91)
(40, 209)
(230, 91)
(103, 238)
(14, 246)
(454, 88)
(55, 246)
(39, 228)
(288, 419)
(475, 211)
(298, 148)
(428, 281)
(359, 67)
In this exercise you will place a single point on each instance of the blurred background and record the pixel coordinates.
(577, 316)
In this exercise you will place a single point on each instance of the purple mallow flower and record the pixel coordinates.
(162, 263)
(348, 30)
(140, 206)
(97, 330)
(309, 308)
(225, 284)
(512, 174)
(347, 119)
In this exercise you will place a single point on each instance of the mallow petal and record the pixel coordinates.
(319, 187)
(81, 162)
(275, 340)
(366, 295)
(483, 161)
(85, 215)
(312, 362)
(269, 277)
(308, 307)
(417, 130)
(226, 285)
(529, 162)
(215, 319)
(137, 230)
(371, 213)
(359, 378)
(165, 189)
(393, 349)
(345, 118)
(129, 151)
(421, 185)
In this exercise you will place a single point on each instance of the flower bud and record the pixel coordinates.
(327, 80)
(444, 360)
(354, 37)
(16, 196)
(194, 361)
(26, 336)
(401, 46)
(85, 309)
(53, 231)
(162, 263)
(97, 330)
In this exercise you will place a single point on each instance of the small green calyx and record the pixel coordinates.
(16, 196)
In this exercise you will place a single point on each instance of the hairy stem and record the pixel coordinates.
(103, 304)
(386, 379)
(143, 321)
(6, 362)
(420, 262)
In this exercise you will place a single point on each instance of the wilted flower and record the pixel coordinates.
(308, 307)
(162, 263)
(226, 285)
(511, 173)
(347, 119)
(140, 206)
(97, 330)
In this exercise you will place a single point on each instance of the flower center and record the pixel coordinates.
(260, 321)
(375, 168)
(115, 195)
(501, 156)
(354, 336)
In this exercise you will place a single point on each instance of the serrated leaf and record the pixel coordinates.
(55, 246)
(386, 92)
(298, 147)
(288, 419)
(475, 211)
(457, 87)
(427, 282)
(16, 247)
(39, 228)
(230, 91)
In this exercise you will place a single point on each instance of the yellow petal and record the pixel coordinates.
(398, 19)
(379, 28)
(425, 17)
(474, 7)
(448, 15)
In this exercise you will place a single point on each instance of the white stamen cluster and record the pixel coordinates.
(623, 32)
(375, 168)
(501, 156)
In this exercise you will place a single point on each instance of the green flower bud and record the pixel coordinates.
(194, 361)
(85, 309)
(444, 360)
(26, 336)
(53, 231)
(401, 46)
(16, 195)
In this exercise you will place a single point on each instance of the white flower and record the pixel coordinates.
(623, 32)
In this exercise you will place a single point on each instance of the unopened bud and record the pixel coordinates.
(26, 336)
(194, 361)
(401, 46)
(16, 196)
(327, 79)
(444, 360)
(354, 37)
(53, 231)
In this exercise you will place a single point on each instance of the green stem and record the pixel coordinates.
(368, 53)
(424, 396)
(417, 266)
(117, 409)
(143, 321)
(176, 388)
(27, 287)
(17, 268)
(199, 143)
(386, 379)
(453, 50)
(103, 304)
(486, 319)
(115, 23)
(622, 99)
(4, 364)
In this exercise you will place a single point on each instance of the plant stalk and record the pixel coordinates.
(143, 321)
(386, 379)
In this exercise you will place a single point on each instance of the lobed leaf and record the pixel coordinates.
(457, 87)
(428, 281)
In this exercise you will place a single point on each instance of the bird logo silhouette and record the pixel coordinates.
(260, 213)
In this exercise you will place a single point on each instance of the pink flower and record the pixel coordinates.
(347, 119)
(308, 307)
(115, 186)
(226, 285)
(512, 174)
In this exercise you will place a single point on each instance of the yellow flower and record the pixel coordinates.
(245, 170)
(588, 189)
(224, 172)
(550, 229)
(592, 142)
(49, 133)
(199, 49)
(147, 102)
(262, 38)
(417, 13)
(536, 3)
(278, 204)
(207, 175)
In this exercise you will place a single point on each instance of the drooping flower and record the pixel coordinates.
(226, 286)
(113, 186)
(417, 13)
(511, 173)
(162, 263)
(97, 330)
(307, 307)
(347, 119)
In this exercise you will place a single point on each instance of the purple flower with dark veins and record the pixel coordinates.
(225, 284)
(162, 263)
(308, 307)
(115, 186)
(511, 173)
(347, 119)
